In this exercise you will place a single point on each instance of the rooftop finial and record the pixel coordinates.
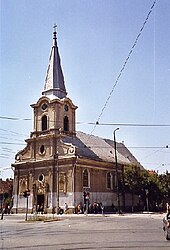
(55, 34)
(54, 27)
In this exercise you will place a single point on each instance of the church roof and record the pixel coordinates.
(54, 83)
(100, 149)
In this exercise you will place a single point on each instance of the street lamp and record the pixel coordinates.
(147, 200)
(58, 186)
(58, 174)
(117, 181)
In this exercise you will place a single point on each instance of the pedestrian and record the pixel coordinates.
(2, 215)
(66, 208)
(102, 207)
(95, 208)
(79, 209)
(167, 207)
(166, 224)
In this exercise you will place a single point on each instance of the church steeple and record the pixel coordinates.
(54, 83)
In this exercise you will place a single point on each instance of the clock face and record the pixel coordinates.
(44, 106)
(66, 107)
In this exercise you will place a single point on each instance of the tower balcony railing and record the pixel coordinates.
(50, 131)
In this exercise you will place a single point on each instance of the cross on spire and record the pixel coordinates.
(55, 27)
(55, 32)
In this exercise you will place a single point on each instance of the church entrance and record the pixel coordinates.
(40, 203)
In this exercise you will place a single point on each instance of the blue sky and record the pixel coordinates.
(94, 39)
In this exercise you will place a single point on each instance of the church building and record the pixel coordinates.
(60, 165)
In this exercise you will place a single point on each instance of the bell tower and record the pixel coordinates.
(54, 110)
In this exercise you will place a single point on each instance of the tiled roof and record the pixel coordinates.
(99, 149)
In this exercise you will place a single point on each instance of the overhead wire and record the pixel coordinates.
(12, 132)
(85, 123)
(78, 123)
(95, 146)
(124, 124)
(15, 118)
(124, 65)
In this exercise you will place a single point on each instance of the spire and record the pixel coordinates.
(54, 82)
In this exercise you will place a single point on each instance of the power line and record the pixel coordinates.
(12, 132)
(12, 143)
(86, 123)
(124, 124)
(14, 118)
(124, 65)
(96, 146)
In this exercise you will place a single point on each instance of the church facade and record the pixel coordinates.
(61, 165)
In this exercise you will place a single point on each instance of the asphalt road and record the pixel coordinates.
(126, 232)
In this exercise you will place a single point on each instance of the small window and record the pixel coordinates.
(44, 122)
(85, 178)
(66, 124)
(109, 180)
(66, 107)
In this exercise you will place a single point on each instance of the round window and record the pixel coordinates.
(44, 106)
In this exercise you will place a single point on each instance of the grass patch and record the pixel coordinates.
(43, 218)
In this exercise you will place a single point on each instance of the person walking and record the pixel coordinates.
(2, 215)
(66, 208)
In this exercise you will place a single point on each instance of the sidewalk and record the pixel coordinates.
(22, 216)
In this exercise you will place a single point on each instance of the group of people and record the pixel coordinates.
(64, 210)
(95, 208)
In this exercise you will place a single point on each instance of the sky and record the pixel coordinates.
(94, 39)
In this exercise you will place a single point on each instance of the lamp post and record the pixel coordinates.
(58, 186)
(147, 200)
(58, 174)
(117, 181)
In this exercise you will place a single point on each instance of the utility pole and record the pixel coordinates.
(58, 193)
(117, 176)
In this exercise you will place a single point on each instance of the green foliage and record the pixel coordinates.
(164, 182)
(132, 180)
(148, 183)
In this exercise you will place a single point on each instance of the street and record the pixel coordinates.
(129, 231)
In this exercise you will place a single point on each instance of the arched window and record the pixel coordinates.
(66, 123)
(85, 178)
(44, 122)
(109, 180)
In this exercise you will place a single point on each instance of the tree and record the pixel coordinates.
(164, 183)
(131, 182)
(152, 188)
